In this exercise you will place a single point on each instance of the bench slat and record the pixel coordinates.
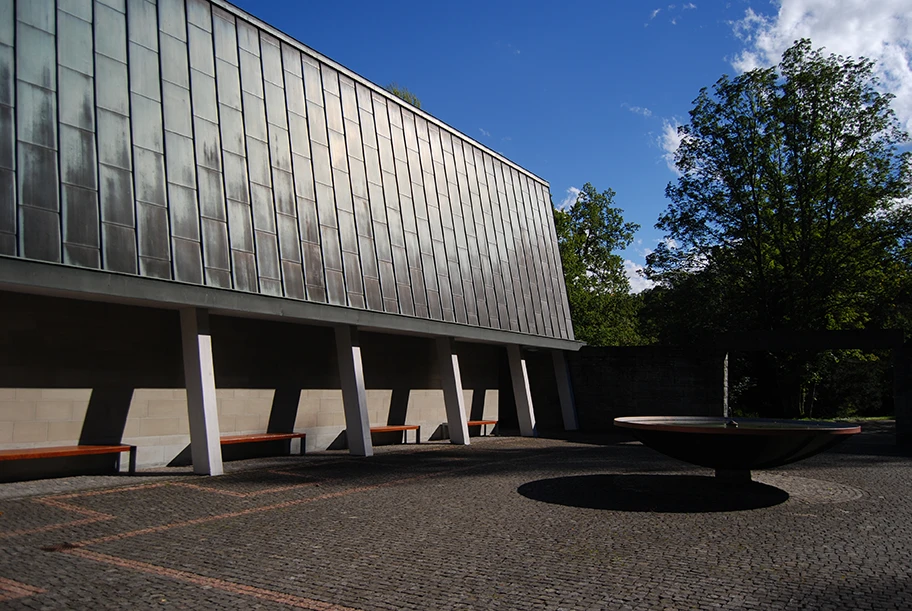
(64, 451)
(61, 451)
(394, 427)
(481, 422)
(399, 428)
(255, 437)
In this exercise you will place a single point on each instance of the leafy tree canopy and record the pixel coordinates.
(793, 196)
(588, 234)
(792, 211)
(403, 94)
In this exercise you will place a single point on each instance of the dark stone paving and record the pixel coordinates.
(507, 523)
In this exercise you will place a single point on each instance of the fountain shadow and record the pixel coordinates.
(653, 493)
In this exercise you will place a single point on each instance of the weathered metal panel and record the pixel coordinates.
(36, 163)
(78, 152)
(330, 247)
(199, 13)
(149, 176)
(81, 238)
(533, 252)
(487, 311)
(507, 208)
(77, 157)
(142, 23)
(172, 19)
(476, 279)
(36, 56)
(205, 255)
(174, 60)
(506, 304)
(546, 260)
(460, 269)
(174, 138)
(233, 140)
(77, 8)
(74, 43)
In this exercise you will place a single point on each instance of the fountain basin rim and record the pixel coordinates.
(715, 425)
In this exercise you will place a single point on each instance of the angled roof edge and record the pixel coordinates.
(287, 38)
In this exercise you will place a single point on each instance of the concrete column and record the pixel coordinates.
(565, 391)
(521, 392)
(354, 397)
(902, 393)
(448, 362)
(199, 378)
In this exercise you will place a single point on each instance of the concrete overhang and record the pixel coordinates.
(54, 279)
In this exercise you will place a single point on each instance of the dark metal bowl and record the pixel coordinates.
(739, 444)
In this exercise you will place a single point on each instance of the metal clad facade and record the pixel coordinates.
(183, 140)
(8, 187)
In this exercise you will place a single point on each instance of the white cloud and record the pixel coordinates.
(639, 110)
(638, 283)
(669, 142)
(881, 31)
(674, 21)
(484, 132)
(689, 6)
(653, 14)
(569, 199)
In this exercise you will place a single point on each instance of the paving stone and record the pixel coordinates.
(506, 523)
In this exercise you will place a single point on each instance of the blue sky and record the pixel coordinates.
(578, 91)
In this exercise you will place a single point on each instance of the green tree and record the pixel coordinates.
(792, 209)
(588, 234)
(403, 94)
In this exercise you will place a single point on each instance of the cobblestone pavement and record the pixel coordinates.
(507, 523)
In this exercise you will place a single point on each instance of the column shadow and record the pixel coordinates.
(653, 493)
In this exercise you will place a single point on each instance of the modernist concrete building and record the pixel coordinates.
(207, 227)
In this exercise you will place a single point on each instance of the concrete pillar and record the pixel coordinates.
(448, 362)
(354, 397)
(199, 378)
(902, 393)
(565, 391)
(521, 392)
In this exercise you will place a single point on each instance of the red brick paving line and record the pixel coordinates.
(264, 508)
(211, 582)
(11, 590)
(97, 516)
(241, 495)
(93, 516)
(18, 590)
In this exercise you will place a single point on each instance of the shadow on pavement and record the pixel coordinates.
(653, 493)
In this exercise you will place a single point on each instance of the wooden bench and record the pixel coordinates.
(392, 428)
(67, 451)
(256, 437)
(483, 423)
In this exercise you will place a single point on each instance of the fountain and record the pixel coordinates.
(735, 446)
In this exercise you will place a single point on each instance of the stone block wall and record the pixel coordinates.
(609, 382)
(104, 373)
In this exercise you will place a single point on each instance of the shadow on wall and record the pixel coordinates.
(49, 343)
(609, 382)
